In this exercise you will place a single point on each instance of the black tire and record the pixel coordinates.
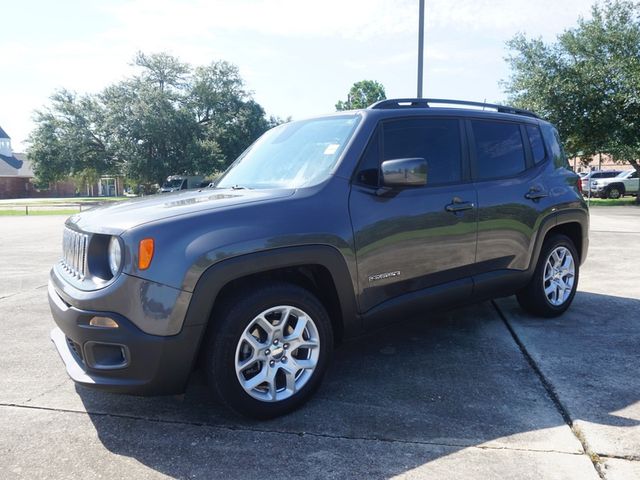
(532, 298)
(614, 192)
(231, 319)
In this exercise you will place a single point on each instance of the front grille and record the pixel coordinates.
(76, 349)
(74, 252)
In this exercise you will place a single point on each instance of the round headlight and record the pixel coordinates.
(115, 256)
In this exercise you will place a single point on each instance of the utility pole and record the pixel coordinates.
(420, 47)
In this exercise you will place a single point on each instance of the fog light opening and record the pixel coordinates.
(103, 322)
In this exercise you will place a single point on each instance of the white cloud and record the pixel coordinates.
(499, 17)
(354, 19)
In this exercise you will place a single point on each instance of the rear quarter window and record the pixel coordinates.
(536, 142)
(552, 140)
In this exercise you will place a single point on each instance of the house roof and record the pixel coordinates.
(15, 166)
(3, 134)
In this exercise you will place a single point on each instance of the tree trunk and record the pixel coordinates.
(636, 165)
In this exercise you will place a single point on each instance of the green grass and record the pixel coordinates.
(608, 202)
(35, 212)
(59, 201)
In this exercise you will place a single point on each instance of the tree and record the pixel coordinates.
(168, 118)
(362, 94)
(69, 138)
(587, 82)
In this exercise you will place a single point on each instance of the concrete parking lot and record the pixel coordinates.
(484, 391)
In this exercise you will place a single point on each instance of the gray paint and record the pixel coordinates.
(443, 256)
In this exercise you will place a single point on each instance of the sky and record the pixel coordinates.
(298, 57)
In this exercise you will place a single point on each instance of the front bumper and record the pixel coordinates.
(123, 359)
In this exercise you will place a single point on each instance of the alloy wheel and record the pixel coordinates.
(277, 353)
(559, 276)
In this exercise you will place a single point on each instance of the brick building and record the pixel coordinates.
(16, 176)
(598, 162)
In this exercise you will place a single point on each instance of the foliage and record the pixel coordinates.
(587, 82)
(169, 118)
(362, 94)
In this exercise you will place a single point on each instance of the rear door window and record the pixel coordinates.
(499, 149)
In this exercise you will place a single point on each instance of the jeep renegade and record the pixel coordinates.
(322, 229)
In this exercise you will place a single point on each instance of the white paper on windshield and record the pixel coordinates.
(331, 149)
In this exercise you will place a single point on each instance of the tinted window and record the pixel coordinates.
(369, 167)
(436, 140)
(499, 149)
(552, 139)
(537, 145)
(604, 174)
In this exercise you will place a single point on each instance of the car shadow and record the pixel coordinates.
(396, 399)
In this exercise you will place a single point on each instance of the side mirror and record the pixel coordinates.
(404, 172)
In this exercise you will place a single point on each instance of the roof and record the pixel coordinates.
(400, 103)
(15, 166)
(3, 134)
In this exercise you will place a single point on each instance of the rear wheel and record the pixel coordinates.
(555, 279)
(270, 349)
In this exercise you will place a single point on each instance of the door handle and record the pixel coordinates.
(458, 206)
(535, 194)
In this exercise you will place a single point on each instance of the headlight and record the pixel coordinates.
(115, 256)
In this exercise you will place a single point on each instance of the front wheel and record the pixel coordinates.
(269, 350)
(614, 193)
(555, 279)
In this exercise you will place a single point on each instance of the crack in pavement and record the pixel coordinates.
(629, 458)
(551, 392)
(49, 390)
(284, 432)
(10, 295)
(23, 292)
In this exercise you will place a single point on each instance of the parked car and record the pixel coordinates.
(595, 174)
(625, 183)
(323, 229)
(175, 183)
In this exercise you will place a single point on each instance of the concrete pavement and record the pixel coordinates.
(479, 392)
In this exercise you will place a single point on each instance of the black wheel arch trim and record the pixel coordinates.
(619, 185)
(573, 215)
(215, 277)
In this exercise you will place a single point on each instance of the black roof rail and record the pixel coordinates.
(425, 103)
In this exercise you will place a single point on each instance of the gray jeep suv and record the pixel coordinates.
(321, 230)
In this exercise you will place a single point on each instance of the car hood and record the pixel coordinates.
(118, 217)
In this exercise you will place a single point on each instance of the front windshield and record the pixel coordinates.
(293, 155)
(176, 182)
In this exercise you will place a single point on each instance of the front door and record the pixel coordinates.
(408, 239)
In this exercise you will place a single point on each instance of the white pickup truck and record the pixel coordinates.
(626, 183)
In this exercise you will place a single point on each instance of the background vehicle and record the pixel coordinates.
(323, 229)
(625, 183)
(180, 182)
(595, 174)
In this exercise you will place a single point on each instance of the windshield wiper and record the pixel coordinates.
(239, 187)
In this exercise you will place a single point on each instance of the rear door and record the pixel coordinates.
(507, 163)
(632, 183)
(407, 239)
